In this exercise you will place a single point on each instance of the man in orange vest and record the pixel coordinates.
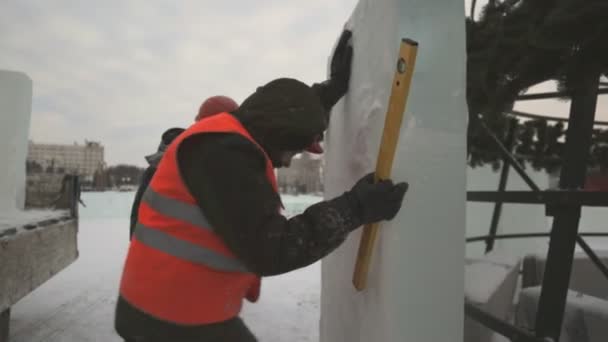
(210, 227)
(212, 105)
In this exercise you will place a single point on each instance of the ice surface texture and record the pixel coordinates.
(416, 283)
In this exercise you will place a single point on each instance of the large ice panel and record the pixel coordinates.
(15, 110)
(416, 282)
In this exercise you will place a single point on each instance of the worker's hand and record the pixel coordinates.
(341, 64)
(377, 201)
(332, 90)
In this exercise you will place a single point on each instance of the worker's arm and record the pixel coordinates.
(226, 175)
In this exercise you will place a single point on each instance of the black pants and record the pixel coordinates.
(231, 331)
(136, 326)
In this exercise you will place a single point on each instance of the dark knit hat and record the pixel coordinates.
(284, 115)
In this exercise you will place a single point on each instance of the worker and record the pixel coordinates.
(210, 225)
(212, 105)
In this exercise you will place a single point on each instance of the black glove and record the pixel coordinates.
(339, 75)
(333, 89)
(377, 201)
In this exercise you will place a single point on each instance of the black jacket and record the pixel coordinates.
(146, 177)
(226, 175)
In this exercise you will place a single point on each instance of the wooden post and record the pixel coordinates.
(390, 136)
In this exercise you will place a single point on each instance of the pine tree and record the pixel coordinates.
(516, 44)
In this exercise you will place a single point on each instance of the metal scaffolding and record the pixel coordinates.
(563, 204)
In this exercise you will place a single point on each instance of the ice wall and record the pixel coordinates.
(416, 282)
(15, 110)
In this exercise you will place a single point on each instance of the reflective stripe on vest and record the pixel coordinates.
(178, 248)
(178, 269)
(176, 209)
(185, 250)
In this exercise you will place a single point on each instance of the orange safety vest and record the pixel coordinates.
(177, 269)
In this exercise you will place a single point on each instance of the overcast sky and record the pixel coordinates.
(121, 72)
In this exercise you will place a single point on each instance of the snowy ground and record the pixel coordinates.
(77, 305)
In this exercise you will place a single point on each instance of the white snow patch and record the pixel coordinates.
(485, 275)
(18, 218)
(585, 316)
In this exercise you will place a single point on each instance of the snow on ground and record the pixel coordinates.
(17, 218)
(77, 305)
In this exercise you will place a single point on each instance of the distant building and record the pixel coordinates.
(303, 176)
(84, 160)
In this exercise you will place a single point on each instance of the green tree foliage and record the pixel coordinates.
(124, 174)
(516, 44)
